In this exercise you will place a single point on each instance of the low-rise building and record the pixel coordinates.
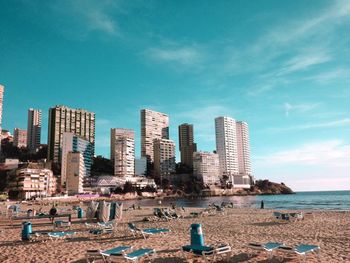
(76, 172)
(28, 183)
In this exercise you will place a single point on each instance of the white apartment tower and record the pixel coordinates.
(154, 125)
(33, 129)
(243, 148)
(164, 157)
(226, 146)
(206, 167)
(123, 152)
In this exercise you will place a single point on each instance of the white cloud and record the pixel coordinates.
(333, 153)
(298, 107)
(181, 55)
(330, 124)
(304, 61)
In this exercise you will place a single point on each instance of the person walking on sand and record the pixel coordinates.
(52, 213)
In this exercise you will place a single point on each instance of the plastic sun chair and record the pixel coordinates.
(301, 250)
(60, 235)
(135, 255)
(207, 252)
(117, 251)
(269, 247)
(146, 232)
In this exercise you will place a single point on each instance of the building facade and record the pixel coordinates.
(141, 166)
(34, 130)
(33, 183)
(2, 89)
(186, 144)
(74, 143)
(63, 119)
(154, 125)
(226, 146)
(20, 138)
(206, 167)
(75, 173)
(123, 152)
(164, 157)
(243, 148)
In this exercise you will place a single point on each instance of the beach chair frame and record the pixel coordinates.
(301, 254)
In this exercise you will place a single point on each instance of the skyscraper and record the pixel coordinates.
(123, 152)
(186, 144)
(34, 129)
(73, 143)
(154, 125)
(20, 138)
(164, 157)
(243, 148)
(63, 119)
(226, 145)
(2, 89)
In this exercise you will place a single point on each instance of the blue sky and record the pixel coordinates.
(282, 66)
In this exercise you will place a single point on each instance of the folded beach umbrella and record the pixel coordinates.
(104, 208)
(91, 210)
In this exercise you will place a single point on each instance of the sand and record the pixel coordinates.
(237, 227)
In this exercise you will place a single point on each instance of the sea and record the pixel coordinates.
(325, 200)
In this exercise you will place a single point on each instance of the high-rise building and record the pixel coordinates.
(186, 144)
(75, 173)
(74, 143)
(243, 148)
(206, 167)
(141, 166)
(154, 125)
(20, 138)
(226, 146)
(63, 119)
(123, 152)
(164, 157)
(2, 89)
(34, 130)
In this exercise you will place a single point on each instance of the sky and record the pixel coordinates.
(281, 66)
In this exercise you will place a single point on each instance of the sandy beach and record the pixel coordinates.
(237, 227)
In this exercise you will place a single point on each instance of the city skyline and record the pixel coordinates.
(282, 78)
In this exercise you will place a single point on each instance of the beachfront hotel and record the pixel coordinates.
(226, 146)
(34, 130)
(123, 152)
(206, 167)
(186, 144)
(154, 125)
(20, 138)
(74, 143)
(63, 119)
(33, 182)
(164, 157)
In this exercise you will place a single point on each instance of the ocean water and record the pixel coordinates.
(326, 200)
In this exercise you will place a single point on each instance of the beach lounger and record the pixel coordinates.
(60, 235)
(269, 248)
(208, 253)
(60, 223)
(301, 250)
(134, 256)
(94, 254)
(146, 232)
